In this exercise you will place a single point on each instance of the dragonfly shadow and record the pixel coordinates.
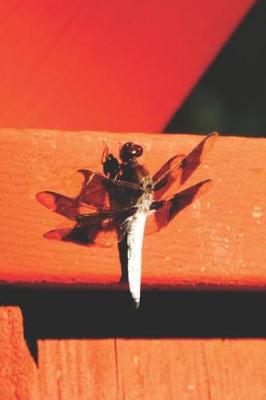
(122, 249)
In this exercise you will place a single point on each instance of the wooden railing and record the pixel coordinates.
(54, 294)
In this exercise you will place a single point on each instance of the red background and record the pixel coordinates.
(117, 65)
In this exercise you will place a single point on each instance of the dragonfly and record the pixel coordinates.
(126, 202)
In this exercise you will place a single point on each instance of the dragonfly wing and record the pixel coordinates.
(97, 229)
(64, 205)
(167, 175)
(166, 210)
(104, 193)
(98, 193)
(181, 169)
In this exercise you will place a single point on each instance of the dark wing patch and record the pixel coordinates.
(167, 175)
(63, 205)
(181, 169)
(105, 193)
(97, 193)
(97, 229)
(166, 210)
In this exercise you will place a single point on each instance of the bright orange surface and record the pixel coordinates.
(85, 348)
(108, 65)
(219, 240)
(114, 369)
(120, 66)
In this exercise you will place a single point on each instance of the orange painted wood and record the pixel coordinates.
(109, 65)
(169, 369)
(114, 369)
(16, 365)
(218, 241)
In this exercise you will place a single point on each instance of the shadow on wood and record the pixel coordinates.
(81, 314)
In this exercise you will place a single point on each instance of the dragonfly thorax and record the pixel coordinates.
(144, 202)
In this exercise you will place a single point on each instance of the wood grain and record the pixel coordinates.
(137, 369)
(129, 368)
(218, 241)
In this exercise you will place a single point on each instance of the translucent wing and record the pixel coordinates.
(97, 229)
(166, 210)
(67, 206)
(105, 193)
(94, 222)
(97, 193)
(166, 176)
(178, 169)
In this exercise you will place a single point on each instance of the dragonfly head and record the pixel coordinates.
(129, 151)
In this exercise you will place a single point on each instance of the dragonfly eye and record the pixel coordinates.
(129, 151)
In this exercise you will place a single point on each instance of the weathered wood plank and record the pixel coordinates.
(218, 241)
(128, 368)
(17, 369)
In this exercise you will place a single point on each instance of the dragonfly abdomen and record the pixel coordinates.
(135, 233)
